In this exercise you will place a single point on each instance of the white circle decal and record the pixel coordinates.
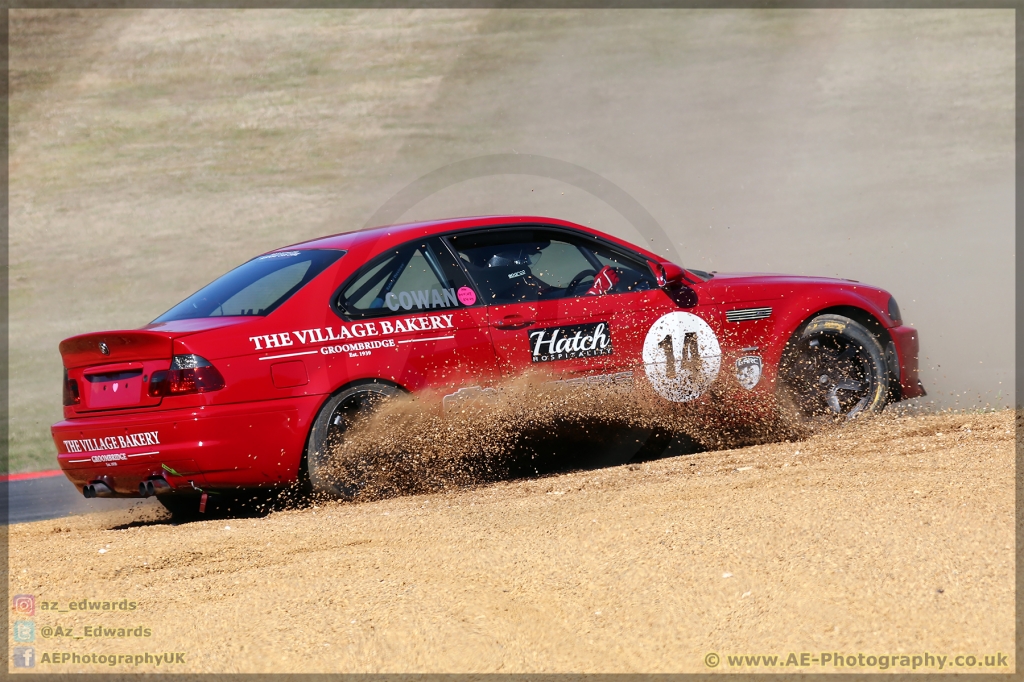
(681, 356)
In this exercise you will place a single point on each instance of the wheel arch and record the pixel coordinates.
(303, 472)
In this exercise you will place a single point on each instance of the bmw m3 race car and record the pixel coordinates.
(243, 384)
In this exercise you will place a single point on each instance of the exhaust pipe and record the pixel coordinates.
(97, 489)
(154, 486)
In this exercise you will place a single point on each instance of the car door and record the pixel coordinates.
(418, 303)
(636, 300)
(545, 310)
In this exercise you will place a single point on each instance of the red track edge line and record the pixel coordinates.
(29, 475)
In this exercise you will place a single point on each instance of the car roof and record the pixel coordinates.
(387, 236)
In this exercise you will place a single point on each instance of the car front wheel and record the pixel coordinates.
(834, 369)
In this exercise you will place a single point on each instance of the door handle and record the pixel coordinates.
(512, 322)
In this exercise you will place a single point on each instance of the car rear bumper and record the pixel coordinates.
(908, 349)
(213, 447)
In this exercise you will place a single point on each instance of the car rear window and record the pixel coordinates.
(254, 288)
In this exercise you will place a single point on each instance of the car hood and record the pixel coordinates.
(739, 287)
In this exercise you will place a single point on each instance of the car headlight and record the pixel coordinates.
(894, 311)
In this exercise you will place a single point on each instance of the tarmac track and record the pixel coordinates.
(50, 495)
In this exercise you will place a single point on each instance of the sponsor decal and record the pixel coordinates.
(468, 396)
(355, 347)
(681, 356)
(282, 254)
(567, 343)
(748, 371)
(357, 330)
(466, 296)
(132, 440)
(517, 274)
(618, 379)
(422, 299)
(110, 458)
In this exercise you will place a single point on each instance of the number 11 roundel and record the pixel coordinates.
(681, 356)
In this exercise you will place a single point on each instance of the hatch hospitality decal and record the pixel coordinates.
(567, 343)
(358, 330)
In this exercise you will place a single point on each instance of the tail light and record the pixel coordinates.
(71, 395)
(188, 374)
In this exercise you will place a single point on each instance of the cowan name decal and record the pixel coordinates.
(357, 330)
(425, 298)
(567, 343)
(133, 440)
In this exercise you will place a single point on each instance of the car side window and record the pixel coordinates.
(630, 273)
(559, 264)
(515, 266)
(414, 277)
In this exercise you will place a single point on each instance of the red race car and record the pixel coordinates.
(242, 384)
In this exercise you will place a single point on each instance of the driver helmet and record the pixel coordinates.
(518, 256)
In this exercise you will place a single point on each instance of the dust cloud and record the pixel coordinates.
(533, 425)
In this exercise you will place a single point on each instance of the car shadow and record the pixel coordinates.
(535, 455)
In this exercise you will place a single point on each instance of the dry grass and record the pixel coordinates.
(152, 151)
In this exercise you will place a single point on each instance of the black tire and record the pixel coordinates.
(339, 413)
(834, 368)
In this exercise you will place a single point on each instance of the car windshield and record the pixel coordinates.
(254, 288)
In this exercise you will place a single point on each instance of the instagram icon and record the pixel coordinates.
(24, 604)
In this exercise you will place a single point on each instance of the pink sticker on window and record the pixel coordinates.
(467, 296)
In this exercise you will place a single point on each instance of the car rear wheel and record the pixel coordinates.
(834, 369)
(340, 413)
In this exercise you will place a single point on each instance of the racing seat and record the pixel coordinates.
(510, 284)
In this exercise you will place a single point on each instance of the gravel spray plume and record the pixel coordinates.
(527, 426)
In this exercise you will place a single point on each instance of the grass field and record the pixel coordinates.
(151, 150)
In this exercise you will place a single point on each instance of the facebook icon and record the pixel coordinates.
(24, 657)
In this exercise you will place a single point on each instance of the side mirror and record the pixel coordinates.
(673, 274)
(672, 279)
